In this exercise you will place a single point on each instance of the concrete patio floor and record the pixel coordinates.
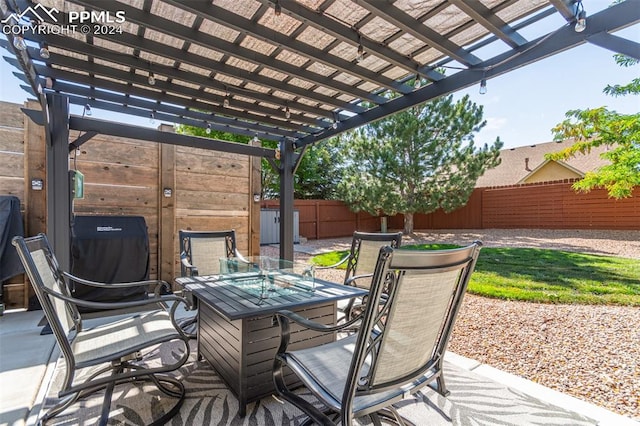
(27, 361)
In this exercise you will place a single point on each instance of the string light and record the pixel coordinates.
(44, 51)
(208, 129)
(277, 9)
(360, 55)
(255, 139)
(483, 86)
(227, 100)
(287, 113)
(417, 83)
(152, 117)
(87, 110)
(152, 79)
(581, 18)
(19, 43)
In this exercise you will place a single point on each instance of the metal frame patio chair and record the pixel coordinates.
(397, 350)
(114, 347)
(361, 262)
(200, 254)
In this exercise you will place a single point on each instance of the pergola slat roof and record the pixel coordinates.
(292, 71)
(294, 75)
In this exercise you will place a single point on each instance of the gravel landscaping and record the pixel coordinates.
(590, 352)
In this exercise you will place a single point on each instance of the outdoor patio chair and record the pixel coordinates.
(361, 262)
(399, 347)
(200, 254)
(114, 349)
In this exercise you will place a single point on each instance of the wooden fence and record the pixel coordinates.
(555, 205)
(551, 205)
(209, 190)
(320, 219)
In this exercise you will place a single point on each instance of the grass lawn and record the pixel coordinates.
(546, 276)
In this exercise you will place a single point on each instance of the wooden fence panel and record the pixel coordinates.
(121, 178)
(209, 190)
(553, 205)
(308, 218)
(328, 218)
(213, 192)
(12, 182)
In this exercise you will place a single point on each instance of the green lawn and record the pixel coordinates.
(546, 276)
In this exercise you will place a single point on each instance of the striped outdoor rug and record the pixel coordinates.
(474, 400)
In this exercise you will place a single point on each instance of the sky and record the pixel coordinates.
(520, 107)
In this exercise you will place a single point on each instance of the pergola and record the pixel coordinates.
(296, 72)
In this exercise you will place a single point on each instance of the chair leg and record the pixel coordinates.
(180, 393)
(166, 384)
(315, 415)
(189, 326)
(442, 389)
(106, 404)
(390, 415)
(59, 408)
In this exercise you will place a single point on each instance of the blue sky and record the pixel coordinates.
(520, 107)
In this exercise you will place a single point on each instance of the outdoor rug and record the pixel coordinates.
(474, 400)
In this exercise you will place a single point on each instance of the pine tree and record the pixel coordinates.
(416, 161)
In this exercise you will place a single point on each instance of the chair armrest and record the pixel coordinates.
(114, 305)
(240, 257)
(158, 283)
(285, 317)
(161, 302)
(351, 280)
(117, 285)
(335, 265)
(192, 271)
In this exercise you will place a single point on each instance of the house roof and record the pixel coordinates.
(517, 163)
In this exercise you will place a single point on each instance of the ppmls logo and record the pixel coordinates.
(38, 11)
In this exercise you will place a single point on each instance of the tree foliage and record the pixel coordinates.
(418, 160)
(600, 126)
(314, 179)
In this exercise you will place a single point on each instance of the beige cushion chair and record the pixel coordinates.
(200, 254)
(361, 262)
(399, 347)
(201, 251)
(117, 346)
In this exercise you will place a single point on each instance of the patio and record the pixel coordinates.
(479, 392)
(279, 71)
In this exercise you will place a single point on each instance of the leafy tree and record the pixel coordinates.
(314, 179)
(600, 126)
(417, 161)
(318, 173)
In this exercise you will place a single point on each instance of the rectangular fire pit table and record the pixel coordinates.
(237, 334)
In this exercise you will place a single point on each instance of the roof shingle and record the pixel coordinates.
(517, 163)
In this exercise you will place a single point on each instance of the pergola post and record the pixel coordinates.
(57, 180)
(286, 199)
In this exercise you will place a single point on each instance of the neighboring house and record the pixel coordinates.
(527, 164)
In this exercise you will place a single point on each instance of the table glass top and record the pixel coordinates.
(246, 287)
(265, 277)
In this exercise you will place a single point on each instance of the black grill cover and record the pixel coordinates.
(10, 226)
(109, 249)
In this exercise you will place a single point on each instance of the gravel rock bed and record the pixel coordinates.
(590, 352)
